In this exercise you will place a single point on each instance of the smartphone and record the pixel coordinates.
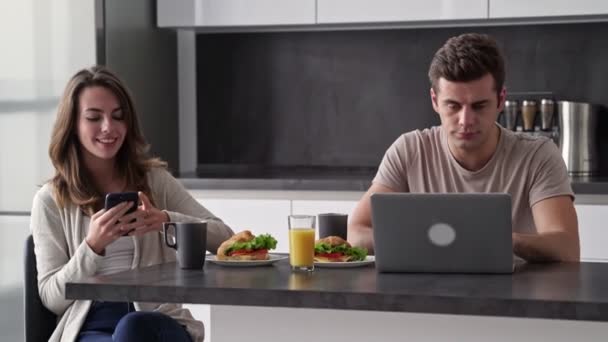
(115, 198)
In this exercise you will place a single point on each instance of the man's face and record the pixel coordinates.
(468, 111)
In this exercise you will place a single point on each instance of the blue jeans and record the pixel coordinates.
(118, 321)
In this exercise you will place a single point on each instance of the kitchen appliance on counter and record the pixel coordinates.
(579, 137)
(532, 115)
(573, 126)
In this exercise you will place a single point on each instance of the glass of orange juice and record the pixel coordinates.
(302, 242)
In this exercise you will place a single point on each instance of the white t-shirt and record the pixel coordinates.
(118, 255)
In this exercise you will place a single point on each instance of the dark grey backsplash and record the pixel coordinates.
(338, 99)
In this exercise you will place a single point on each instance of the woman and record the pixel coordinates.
(96, 148)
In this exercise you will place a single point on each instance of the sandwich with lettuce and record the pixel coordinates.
(336, 249)
(246, 246)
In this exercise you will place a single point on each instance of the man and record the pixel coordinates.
(470, 152)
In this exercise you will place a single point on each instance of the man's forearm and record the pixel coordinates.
(545, 247)
(361, 236)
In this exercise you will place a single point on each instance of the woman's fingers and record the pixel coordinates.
(114, 214)
(144, 229)
(147, 205)
(136, 215)
(115, 221)
(143, 225)
(144, 220)
(98, 214)
(133, 223)
(104, 227)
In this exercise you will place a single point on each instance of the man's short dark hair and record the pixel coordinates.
(466, 58)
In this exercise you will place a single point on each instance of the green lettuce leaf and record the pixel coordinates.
(356, 253)
(263, 241)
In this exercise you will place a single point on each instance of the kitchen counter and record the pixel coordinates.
(590, 186)
(568, 291)
(318, 184)
(583, 186)
(552, 302)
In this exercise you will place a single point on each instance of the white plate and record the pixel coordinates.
(246, 263)
(368, 261)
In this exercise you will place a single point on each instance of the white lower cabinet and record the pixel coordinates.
(319, 207)
(201, 312)
(593, 232)
(270, 216)
(257, 215)
(13, 232)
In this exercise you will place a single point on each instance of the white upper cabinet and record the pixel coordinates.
(220, 13)
(257, 14)
(368, 11)
(544, 8)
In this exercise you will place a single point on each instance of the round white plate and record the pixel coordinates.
(249, 263)
(368, 261)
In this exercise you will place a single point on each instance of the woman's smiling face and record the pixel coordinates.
(101, 127)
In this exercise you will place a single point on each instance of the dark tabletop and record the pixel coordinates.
(561, 291)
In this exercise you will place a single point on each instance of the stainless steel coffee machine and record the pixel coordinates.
(579, 137)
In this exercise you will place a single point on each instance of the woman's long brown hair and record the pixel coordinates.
(72, 184)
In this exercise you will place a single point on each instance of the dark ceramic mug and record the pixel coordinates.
(332, 224)
(190, 243)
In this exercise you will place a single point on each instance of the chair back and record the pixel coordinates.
(39, 321)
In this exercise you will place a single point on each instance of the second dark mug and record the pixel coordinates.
(190, 243)
(332, 224)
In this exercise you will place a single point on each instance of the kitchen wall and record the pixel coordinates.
(145, 57)
(340, 98)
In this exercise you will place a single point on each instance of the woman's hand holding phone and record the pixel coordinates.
(105, 227)
(109, 224)
(147, 218)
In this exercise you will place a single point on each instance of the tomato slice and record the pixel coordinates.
(333, 256)
(249, 252)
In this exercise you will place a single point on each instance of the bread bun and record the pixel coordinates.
(243, 236)
(245, 257)
(333, 241)
(343, 258)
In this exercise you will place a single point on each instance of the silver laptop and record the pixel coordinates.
(442, 233)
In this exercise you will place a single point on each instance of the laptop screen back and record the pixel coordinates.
(453, 233)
